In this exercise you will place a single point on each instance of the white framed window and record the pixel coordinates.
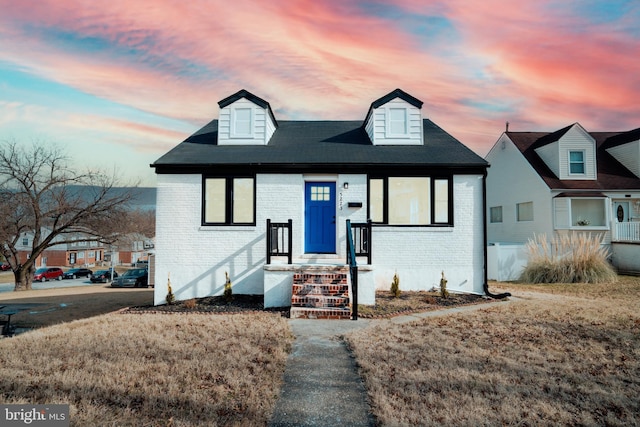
(576, 162)
(524, 211)
(588, 212)
(25, 241)
(241, 122)
(397, 122)
(495, 214)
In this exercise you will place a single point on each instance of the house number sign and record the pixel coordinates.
(340, 200)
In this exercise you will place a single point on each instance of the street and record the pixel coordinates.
(7, 284)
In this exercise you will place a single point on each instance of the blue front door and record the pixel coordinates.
(320, 217)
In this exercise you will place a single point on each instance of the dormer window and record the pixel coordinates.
(576, 163)
(242, 122)
(397, 122)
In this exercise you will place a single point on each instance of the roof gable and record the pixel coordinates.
(611, 174)
(625, 148)
(395, 119)
(245, 119)
(571, 144)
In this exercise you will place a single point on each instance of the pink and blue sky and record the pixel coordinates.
(117, 83)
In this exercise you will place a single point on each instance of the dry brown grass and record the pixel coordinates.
(151, 369)
(560, 360)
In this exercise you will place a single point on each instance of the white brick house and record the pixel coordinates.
(421, 189)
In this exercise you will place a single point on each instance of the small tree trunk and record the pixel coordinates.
(24, 278)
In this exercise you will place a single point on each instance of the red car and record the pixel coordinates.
(48, 273)
(5, 267)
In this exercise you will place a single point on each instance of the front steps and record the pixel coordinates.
(321, 293)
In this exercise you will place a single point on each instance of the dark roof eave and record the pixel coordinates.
(463, 169)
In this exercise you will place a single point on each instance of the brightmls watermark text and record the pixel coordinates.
(34, 415)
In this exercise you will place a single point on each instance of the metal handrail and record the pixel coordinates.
(353, 271)
(277, 234)
(361, 232)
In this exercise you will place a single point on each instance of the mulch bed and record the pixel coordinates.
(413, 302)
(386, 304)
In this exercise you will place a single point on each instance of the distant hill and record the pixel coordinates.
(143, 197)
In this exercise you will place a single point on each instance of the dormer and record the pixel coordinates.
(245, 119)
(570, 153)
(395, 119)
(625, 148)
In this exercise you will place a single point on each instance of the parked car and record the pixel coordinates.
(102, 276)
(135, 278)
(5, 267)
(77, 272)
(47, 273)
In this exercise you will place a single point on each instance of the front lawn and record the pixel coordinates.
(151, 369)
(569, 358)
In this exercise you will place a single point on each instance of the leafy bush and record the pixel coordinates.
(568, 258)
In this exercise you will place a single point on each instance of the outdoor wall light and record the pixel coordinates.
(345, 185)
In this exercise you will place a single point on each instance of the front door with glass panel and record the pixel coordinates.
(320, 217)
(621, 211)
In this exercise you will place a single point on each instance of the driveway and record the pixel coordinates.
(65, 304)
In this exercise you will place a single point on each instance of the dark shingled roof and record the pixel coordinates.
(612, 175)
(320, 145)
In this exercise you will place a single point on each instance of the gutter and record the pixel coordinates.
(485, 285)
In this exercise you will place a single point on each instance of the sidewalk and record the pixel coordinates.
(321, 382)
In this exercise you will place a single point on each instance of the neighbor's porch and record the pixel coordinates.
(626, 231)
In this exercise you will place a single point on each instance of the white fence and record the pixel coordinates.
(505, 262)
(626, 231)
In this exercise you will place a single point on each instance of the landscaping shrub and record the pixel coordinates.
(170, 296)
(395, 286)
(568, 258)
(444, 293)
(228, 292)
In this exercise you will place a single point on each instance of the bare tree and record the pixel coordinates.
(41, 195)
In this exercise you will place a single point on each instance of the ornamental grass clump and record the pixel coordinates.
(568, 258)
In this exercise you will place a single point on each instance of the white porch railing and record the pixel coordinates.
(626, 231)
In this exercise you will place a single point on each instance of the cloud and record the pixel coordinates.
(539, 64)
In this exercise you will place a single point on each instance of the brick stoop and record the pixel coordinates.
(321, 295)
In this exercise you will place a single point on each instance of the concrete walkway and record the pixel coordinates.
(321, 382)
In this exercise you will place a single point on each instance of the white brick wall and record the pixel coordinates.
(197, 257)
(419, 255)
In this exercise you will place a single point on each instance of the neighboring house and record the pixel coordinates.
(133, 248)
(421, 188)
(74, 254)
(563, 181)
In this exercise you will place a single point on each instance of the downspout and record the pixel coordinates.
(486, 241)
